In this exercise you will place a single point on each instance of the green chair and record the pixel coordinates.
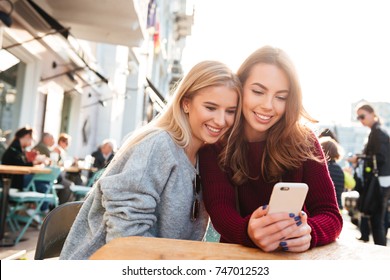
(211, 234)
(25, 206)
(80, 191)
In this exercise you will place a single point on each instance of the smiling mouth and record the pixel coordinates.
(263, 117)
(213, 129)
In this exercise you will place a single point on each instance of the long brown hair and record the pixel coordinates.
(288, 142)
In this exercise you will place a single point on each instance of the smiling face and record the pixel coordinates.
(210, 113)
(265, 94)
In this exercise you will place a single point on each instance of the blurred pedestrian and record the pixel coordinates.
(378, 145)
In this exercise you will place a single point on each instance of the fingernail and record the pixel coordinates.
(299, 223)
(265, 206)
(291, 215)
(283, 244)
(303, 213)
(297, 218)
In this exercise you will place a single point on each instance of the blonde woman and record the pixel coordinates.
(271, 145)
(151, 187)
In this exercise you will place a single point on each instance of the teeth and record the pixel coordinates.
(263, 117)
(213, 129)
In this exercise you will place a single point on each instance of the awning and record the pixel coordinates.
(156, 97)
(41, 20)
(119, 22)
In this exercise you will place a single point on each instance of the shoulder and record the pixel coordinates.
(156, 146)
(334, 166)
(382, 131)
(158, 141)
(317, 148)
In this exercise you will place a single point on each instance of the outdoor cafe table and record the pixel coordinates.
(76, 169)
(6, 182)
(147, 248)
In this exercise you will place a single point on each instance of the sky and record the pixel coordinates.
(341, 49)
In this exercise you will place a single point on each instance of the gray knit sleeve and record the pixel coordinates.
(131, 194)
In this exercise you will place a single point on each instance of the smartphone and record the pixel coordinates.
(288, 197)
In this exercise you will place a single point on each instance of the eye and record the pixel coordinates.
(210, 108)
(259, 92)
(231, 112)
(281, 97)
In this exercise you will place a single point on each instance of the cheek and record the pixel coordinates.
(280, 108)
(229, 120)
(246, 105)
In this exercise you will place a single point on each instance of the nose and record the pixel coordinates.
(220, 119)
(267, 102)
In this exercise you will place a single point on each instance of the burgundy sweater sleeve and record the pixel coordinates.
(321, 205)
(219, 199)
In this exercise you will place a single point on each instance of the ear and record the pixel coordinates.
(186, 105)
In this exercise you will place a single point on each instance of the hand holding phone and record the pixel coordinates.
(288, 197)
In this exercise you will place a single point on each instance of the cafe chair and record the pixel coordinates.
(25, 206)
(55, 229)
(80, 191)
(211, 234)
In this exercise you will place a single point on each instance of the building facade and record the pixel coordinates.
(80, 67)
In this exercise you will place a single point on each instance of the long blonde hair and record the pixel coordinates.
(288, 142)
(173, 119)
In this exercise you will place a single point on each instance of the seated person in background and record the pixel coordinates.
(44, 146)
(104, 154)
(16, 154)
(61, 147)
(65, 179)
(332, 154)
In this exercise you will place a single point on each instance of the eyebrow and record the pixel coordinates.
(216, 105)
(265, 88)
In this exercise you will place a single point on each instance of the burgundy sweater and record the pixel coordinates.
(219, 197)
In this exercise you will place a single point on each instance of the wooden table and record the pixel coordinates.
(76, 169)
(146, 248)
(13, 170)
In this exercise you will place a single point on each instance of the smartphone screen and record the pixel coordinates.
(288, 197)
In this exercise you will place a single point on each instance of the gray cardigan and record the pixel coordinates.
(147, 192)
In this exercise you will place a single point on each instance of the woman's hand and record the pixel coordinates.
(298, 240)
(270, 232)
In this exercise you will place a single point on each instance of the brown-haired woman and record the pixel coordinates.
(271, 145)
